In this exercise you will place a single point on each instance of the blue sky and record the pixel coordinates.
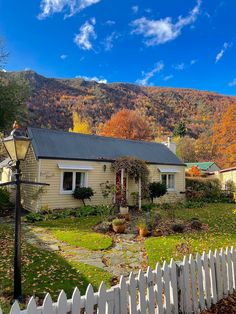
(185, 43)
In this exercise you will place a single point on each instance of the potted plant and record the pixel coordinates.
(142, 227)
(118, 225)
(122, 202)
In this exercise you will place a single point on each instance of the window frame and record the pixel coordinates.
(167, 181)
(73, 180)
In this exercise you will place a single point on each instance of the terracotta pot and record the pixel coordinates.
(119, 228)
(125, 216)
(143, 232)
(157, 233)
(124, 210)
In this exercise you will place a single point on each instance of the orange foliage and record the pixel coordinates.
(224, 138)
(128, 124)
(194, 171)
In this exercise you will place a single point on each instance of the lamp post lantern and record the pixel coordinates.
(17, 146)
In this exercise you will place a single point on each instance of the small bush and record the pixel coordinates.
(118, 222)
(149, 207)
(83, 193)
(142, 224)
(4, 200)
(204, 189)
(157, 189)
(178, 228)
(34, 217)
(196, 224)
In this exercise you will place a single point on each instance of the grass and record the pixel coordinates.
(78, 232)
(221, 233)
(43, 271)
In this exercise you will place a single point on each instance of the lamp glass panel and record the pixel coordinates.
(11, 149)
(21, 148)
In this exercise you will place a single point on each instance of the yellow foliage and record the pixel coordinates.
(80, 125)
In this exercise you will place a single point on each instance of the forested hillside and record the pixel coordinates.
(52, 102)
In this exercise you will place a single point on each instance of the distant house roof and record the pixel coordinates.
(54, 144)
(228, 169)
(204, 166)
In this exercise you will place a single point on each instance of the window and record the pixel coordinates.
(169, 181)
(72, 179)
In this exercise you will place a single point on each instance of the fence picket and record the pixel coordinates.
(229, 270)
(219, 280)
(47, 305)
(90, 300)
(76, 302)
(150, 291)
(173, 287)
(141, 292)
(206, 281)
(132, 294)
(102, 298)
(186, 285)
(62, 303)
(123, 296)
(200, 282)
(117, 300)
(233, 254)
(224, 273)
(212, 277)
(166, 280)
(1, 311)
(158, 288)
(32, 306)
(15, 309)
(195, 304)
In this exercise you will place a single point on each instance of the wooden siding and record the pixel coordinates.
(51, 174)
(30, 171)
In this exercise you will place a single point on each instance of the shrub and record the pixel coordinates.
(33, 217)
(4, 200)
(178, 228)
(142, 224)
(149, 207)
(118, 221)
(204, 189)
(156, 189)
(83, 193)
(196, 224)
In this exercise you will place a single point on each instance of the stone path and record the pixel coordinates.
(124, 256)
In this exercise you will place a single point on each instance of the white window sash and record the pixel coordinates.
(84, 181)
(168, 181)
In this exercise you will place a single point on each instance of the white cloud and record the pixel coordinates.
(110, 22)
(222, 51)
(108, 42)
(94, 78)
(148, 75)
(135, 9)
(63, 57)
(232, 83)
(168, 77)
(49, 7)
(87, 32)
(179, 66)
(194, 61)
(161, 31)
(3, 70)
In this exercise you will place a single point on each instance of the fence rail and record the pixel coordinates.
(184, 287)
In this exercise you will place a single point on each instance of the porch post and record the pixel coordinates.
(139, 193)
(122, 181)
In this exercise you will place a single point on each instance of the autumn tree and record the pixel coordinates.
(80, 125)
(180, 129)
(194, 171)
(224, 138)
(128, 124)
(185, 148)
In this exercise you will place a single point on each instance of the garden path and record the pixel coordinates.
(126, 255)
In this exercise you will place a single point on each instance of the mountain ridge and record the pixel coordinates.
(52, 101)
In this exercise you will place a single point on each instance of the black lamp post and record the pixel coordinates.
(17, 146)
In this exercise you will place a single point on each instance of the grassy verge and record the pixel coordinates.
(221, 233)
(78, 232)
(43, 271)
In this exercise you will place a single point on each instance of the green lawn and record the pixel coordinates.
(221, 233)
(78, 232)
(43, 271)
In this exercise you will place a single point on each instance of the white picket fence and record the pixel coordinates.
(187, 287)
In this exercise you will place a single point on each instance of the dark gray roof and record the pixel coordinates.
(53, 144)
